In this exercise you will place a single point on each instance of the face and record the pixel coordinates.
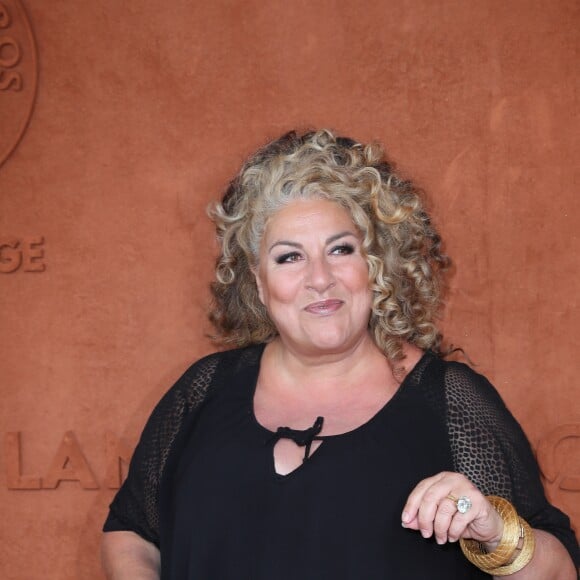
(313, 279)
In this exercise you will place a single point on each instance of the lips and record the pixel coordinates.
(324, 307)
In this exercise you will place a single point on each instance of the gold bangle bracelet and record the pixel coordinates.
(501, 562)
(525, 555)
(506, 548)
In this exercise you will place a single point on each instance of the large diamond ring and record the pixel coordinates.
(463, 504)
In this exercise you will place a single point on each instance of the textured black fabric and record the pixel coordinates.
(443, 410)
(136, 505)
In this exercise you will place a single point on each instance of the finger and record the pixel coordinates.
(434, 500)
(481, 522)
(411, 508)
(458, 526)
(462, 521)
(427, 496)
(444, 516)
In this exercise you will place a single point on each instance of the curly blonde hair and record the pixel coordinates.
(401, 246)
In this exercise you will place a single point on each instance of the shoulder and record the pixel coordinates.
(457, 390)
(457, 379)
(465, 385)
(211, 370)
(226, 360)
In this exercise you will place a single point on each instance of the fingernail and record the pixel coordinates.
(440, 541)
(405, 517)
(425, 533)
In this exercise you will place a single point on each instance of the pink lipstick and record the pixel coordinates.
(324, 307)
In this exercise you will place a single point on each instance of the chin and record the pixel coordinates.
(332, 344)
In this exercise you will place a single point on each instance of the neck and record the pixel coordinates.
(326, 370)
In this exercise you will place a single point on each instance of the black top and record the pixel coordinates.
(202, 483)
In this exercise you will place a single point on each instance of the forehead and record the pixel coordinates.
(310, 216)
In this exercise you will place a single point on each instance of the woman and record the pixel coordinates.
(334, 442)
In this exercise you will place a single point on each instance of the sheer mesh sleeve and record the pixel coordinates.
(135, 507)
(490, 448)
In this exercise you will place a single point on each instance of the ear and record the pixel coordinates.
(256, 272)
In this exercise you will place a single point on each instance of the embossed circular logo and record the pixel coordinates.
(18, 75)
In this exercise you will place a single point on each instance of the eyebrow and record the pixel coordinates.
(329, 240)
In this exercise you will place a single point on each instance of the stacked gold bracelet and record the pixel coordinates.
(515, 548)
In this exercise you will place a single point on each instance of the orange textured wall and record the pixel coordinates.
(120, 121)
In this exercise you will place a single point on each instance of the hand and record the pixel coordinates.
(429, 510)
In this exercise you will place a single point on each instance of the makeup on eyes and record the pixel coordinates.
(294, 256)
(344, 248)
(287, 257)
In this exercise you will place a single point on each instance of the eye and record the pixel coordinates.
(342, 250)
(288, 258)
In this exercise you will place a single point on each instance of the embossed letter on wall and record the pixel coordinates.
(69, 463)
(22, 254)
(550, 459)
(18, 75)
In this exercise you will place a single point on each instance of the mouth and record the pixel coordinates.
(324, 307)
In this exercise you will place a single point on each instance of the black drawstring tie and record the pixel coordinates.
(303, 438)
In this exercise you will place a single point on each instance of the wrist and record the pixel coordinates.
(491, 544)
(513, 552)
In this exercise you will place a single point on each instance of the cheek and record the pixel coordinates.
(277, 288)
(284, 290)
(357, 277)
(361, 288)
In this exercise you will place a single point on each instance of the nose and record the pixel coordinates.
(320, 276)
